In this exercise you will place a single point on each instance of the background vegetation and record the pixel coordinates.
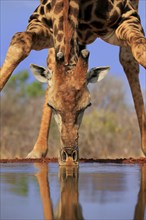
(109, 128)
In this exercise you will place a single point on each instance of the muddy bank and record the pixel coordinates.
(141, 160)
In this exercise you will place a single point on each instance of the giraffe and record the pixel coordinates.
(70, 63)
(115, 22)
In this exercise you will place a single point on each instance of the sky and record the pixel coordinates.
(14, 15)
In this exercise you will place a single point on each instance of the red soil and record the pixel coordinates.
(141, 160)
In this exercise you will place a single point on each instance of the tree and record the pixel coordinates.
(20, 86)
(110, 128)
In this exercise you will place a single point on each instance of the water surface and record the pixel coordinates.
(94, 191)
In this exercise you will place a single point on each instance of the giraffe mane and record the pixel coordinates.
(69, 29)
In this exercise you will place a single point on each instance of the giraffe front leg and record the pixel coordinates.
(130, 32)
(19, 49)
(131, 69)
(41, 146)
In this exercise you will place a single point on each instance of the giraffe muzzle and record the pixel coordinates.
(69, 156)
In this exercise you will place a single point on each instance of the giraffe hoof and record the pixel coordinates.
(35, 154)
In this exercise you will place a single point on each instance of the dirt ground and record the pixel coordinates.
(141, 160)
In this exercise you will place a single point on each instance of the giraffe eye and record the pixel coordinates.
(89, 105)
(51, 107)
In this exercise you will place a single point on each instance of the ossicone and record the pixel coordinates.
(60, 57)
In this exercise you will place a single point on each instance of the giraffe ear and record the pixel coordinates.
(40, 73)
(96, 74)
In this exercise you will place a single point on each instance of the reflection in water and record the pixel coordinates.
(68, 207)
(42, 177)
(95, 191)
(140, 208)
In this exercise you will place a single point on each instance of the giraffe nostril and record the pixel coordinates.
(75, 155)
(64, 156)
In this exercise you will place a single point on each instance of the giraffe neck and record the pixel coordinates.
(65, 24)
(71, 25)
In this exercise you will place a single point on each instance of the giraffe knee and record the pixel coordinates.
(139, 51)
(23, 42)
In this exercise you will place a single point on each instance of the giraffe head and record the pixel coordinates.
(68, 96)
